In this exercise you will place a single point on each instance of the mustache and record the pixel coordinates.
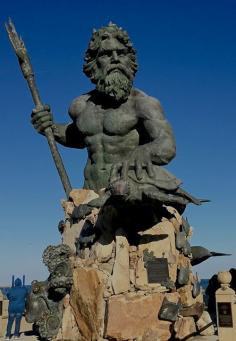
(119, 67)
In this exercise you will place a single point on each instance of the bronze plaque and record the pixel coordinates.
(225, 314)
(157, 270)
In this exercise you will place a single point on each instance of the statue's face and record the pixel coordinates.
(114, 75)
(111, 63)
(113, 57)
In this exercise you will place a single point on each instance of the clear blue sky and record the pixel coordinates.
(187, 59)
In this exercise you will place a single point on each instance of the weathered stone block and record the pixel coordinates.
(160, 240)
(186, 297)
(69, 329)
(184, 327)
(103, 251)
(205, 320)
(87, 302)
(133, 316)
(82, 196)
(120, 276)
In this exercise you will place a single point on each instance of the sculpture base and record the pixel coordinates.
(142, 289)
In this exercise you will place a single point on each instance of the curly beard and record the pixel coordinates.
(116, 83)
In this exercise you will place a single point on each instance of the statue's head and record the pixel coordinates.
(110, 62)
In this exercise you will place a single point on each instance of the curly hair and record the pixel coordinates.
(98, 36)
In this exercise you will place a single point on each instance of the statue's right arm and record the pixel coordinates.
(66, 134)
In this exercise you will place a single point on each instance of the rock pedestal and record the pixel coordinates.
(124, 288)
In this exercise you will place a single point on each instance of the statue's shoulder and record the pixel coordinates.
(78, 105)
(146, 104)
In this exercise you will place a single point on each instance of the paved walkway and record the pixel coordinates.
(29, 337)
(205, 338)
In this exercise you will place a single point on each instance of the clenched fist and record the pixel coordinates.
(42, 119)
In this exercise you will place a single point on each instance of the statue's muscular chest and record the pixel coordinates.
(94, 120)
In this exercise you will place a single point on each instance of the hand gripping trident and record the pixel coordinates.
(27, 70)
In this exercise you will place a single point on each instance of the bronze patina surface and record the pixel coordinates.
(126, 134)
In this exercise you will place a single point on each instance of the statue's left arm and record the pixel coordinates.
(156, 135)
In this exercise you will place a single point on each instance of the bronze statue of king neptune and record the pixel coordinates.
(124, 130)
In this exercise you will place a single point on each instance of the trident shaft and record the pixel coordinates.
(27, 70)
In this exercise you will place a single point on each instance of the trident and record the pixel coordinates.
(27, 70)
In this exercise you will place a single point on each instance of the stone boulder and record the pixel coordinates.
(86, 300)
(135, 316)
